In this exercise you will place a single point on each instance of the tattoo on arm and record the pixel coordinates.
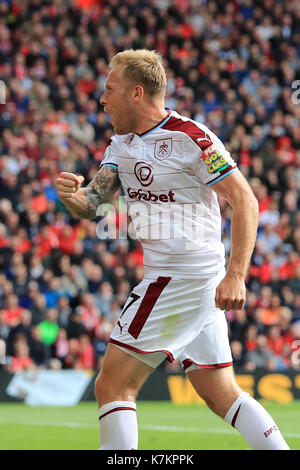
(100, 190)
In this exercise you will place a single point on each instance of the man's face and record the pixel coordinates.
(116, 101)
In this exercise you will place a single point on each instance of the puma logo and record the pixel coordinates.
(121, 326)
(205, 138)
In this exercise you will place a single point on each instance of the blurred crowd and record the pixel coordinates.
(230, 65)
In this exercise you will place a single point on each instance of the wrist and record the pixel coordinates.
(236, 274)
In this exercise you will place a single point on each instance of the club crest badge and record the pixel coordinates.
(163, 149)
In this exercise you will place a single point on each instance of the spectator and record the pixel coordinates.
(104, 298)
(20, 360)
(82, 130)
(270, 314)
(285, 318)
(75, 327)
(22, 329)
(296, 308)
(86, 352)
(38, 351)
(64, 311)
(49, 327)
(275, 340)
(53, 292)
(61, 345)
(39, 309)
(12, 310)
(269, 239)
(4, 327)
(72, 358)
(89, 313)
(261, 357)
(238, 354)
(238, 326)
(250, 340)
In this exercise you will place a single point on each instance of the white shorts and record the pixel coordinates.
(175, 319)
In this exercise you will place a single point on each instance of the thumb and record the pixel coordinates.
(80, 179)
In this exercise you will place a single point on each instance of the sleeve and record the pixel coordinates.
(111, 154)
(208, 158)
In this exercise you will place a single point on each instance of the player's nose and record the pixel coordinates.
(102, 100)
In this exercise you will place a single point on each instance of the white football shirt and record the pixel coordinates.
(167, 175)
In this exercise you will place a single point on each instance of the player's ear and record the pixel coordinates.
(137, 93)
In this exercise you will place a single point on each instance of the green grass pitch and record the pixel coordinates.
(162, 425)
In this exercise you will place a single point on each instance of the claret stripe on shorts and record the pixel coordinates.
(119, 408)
(153, 292)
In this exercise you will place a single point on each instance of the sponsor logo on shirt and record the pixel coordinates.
(140, 194)
(144, 173)
(214, 160)
(163, 149)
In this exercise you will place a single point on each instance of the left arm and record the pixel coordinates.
(231, 292)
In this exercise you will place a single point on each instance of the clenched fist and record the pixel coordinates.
(68, 184)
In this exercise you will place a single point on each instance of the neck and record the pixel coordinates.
(149, 116)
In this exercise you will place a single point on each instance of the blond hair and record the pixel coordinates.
(143, 67)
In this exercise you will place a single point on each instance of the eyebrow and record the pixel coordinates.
(107, 84)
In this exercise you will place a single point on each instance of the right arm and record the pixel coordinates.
(83, 202)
